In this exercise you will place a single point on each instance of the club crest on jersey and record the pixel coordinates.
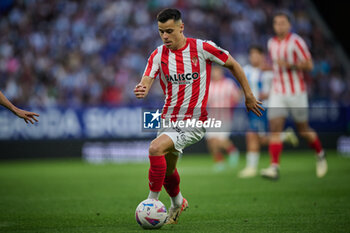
(195, 60)
(182, 78)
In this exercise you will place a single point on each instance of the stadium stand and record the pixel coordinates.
(85, 53)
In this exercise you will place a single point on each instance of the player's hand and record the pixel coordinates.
(26, 116)
(140, 91)
(253, 105)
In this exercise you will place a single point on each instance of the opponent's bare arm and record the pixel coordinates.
(141, 90)
(27, 116)
(251, 102)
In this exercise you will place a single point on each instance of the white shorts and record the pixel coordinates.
(183, 137)
(280, 106)
(224, 132)
(218, 135)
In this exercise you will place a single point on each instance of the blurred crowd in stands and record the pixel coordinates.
(83, 53)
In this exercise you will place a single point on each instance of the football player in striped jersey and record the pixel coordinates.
(184, 69)
(290, 57)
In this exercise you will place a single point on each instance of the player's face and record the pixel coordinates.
(171, 33)
(281, 25)
(256, 58)
(217, 73)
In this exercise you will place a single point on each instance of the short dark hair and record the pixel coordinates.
(258, 48)
(169, 13)
(283, 13)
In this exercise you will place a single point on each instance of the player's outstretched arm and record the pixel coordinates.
(27, 116)
(251, 102)
(141, 90)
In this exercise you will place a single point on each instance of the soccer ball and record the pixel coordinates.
(151, 214)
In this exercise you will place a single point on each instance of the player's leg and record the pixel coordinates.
(181, 140)
(214, 149)
(310, 136)
(172, 179)
(275, 148)
(229, 147)
(277, 113)
(157, 150)
(225, 142)
(172, 186)
(275, 143)
(314, 142)
(253, 154)
(258, 126)
(300, 116)
(287, 136)
(213, 143)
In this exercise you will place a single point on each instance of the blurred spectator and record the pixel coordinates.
(78, 53)
(336, 85)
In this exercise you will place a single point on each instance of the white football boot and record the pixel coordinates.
(248, 172)
(175, 212)
(321, 165)
(271, 172)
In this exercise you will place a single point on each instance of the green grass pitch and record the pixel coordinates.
(73, 196)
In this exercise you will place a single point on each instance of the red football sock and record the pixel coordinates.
(275, 150)
(218, 157)
(156, 173)
(316, 145)
(231, 149)
(172, 184)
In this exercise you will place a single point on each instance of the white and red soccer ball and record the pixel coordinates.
(151, 214)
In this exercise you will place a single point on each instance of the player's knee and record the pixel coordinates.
(275, 137)
(155, 149)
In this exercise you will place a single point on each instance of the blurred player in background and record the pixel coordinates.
(25, 115)
(260, 78)
(184, 67)
(224, 95)
(290, 57)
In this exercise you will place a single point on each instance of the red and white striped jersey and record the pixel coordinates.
(185, 77)
(292, 49)
(223, 93)
(223, 96)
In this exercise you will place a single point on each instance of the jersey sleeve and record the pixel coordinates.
(153, 65)
(214, 53)
(301, 49)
